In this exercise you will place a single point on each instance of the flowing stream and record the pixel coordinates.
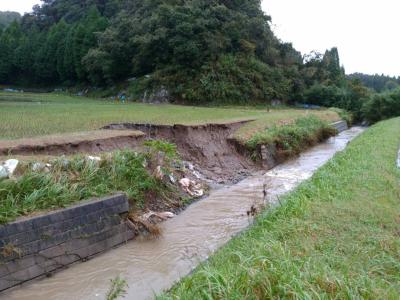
(151, 266)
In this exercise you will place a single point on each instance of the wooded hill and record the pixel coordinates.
(199, 51)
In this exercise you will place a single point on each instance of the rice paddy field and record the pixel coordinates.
(336, 237)
(24, 115)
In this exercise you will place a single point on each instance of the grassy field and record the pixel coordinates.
(25, 115)
(336, 237)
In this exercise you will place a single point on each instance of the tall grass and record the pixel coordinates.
(336, 237)
(69, 181)
(291, 139)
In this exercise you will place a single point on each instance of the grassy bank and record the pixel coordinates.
(336, 237)
(66, 181)
(25, 115)
(291, 139)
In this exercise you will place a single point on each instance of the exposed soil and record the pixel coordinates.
(82, 142)
(209, 147)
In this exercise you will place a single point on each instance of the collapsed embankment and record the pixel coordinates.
(211, 147)
(152, 266)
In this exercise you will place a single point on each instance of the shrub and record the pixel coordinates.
(382, 106)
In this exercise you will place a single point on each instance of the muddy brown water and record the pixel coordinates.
(154, 265)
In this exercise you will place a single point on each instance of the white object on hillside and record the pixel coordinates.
(11, 165)
(94, 158)
(3, 172)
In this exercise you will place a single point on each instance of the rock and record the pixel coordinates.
(3, 172)
(196, 174)
(158, 96)
(11, 165)
(41, 167)
(37, 167)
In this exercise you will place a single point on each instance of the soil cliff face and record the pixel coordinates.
(210, 147)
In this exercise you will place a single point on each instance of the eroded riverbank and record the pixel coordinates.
(152, 266)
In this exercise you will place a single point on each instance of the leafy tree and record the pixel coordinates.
(8, 17)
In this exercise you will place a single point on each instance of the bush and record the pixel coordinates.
(350, 97)
(382, 106)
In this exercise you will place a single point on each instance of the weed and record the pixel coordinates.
(117, 289)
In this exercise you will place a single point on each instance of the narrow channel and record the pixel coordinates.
(151, 266)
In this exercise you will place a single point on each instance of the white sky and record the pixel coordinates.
(365, 31)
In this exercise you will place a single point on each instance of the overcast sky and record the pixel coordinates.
(365, 31)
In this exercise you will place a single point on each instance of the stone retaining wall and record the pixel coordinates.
(36, 246)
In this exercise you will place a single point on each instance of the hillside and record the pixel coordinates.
(214, 51)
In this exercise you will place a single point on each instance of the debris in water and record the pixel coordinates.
(191, 187)
(162, 215)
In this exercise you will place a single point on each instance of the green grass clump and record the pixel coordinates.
(291, 139)
(336, 237)
(69, 181)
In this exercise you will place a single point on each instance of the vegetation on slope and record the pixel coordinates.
(291, 139)
(197, 51)
(335, 237)
(220, 52)
(67, 181)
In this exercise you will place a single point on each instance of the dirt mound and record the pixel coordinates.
(210, 147)
(82, 142)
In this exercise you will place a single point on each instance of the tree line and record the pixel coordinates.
(379, 83)
(214, 51)
(7, 17)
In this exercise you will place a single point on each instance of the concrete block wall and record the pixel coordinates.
(33, 247)
(340, 125)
